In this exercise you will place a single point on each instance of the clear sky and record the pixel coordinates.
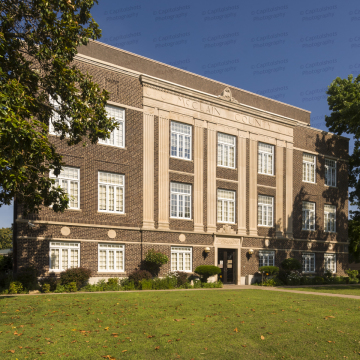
(286, 50)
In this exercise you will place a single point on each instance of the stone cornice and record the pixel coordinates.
(197, 95)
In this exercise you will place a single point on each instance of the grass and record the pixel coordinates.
(333, 289)
(210, 324)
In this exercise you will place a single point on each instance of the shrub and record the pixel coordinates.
(269, 270)
(45, 288)
(205, 271)
(318, 280)
(78, 275)
(217, 284)
(154, 260)
(181, 277)
(28, 277)
(138, 275)
(129, 285)
(352, 276)
(113, 282)
(146, 284)
(6, 262)
(52, 280)
(15, 287)
(291, 264)
(72, 287)
(293, 278)
(60, 288)
(272, 282)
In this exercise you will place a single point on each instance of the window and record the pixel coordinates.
(111, 257)
(265, 210)
(64, 255)
(308, 263)
(309, 167)
(181, 259)
(226, 206)
(330, 262)
(265, 159)
(180, 200)
(330, 218)
(330, 172)
(266, 258)
(308, 215)
(226, 150)
(111, 192)
(69, 180)
(55, 117)
(180, 141)
(117, 136)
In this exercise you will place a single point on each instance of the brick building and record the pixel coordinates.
(202, 171)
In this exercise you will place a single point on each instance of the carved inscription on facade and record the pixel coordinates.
(217, 111)
(227, 241)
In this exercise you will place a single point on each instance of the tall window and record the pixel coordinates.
(265, 159)
(55, 117)
(111, 192)
(226, 150)
(308, 263)
(309, 162)
(330, 218)
(111, 257)
(180, 200)
(330, 172)
(308, 215)
(64, 255)
(117, 136)
(226, 206)
(265, 210)
(266, 258)
(69, 180)
(181, 258)
(330, 262)
(180, 140)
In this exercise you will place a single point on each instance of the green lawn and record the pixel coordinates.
(209, 324)
(334, 289)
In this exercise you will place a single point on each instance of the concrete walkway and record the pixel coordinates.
(265, 288)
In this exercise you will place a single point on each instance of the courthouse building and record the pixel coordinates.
(202, 171)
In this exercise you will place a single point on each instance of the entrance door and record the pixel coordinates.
(227, 261)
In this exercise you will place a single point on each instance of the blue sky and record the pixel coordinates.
(286, 50)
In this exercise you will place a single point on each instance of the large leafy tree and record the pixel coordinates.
(344, 102)
(38, 44)
(6, 235)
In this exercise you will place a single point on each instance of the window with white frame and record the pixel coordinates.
(111, 257)
(308, 263)
(55, 116)
(265, 159)
(330, 262)
(265, 210)
(69, 181)
(330, 218)
(180, 206)
(180, 140)
(308, 215)
(111, 192)
(226, 150)
(64, 255)
(330, 172)
(309, 162)
(266, 258)
(226, 206)
(117, 136)
(181, 258)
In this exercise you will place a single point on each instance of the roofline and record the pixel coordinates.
(194, 74)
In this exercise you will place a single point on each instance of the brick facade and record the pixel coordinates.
(90, 227)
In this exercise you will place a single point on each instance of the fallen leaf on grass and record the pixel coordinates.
(177, 339)
(243, 345)
(124, 351)
(262, 337)
(11, 351)
(177, 319)
(236, 330)
(169, 341)
(157, 347)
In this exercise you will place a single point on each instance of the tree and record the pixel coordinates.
(39, 83)
(344, 102)
(6, 236)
